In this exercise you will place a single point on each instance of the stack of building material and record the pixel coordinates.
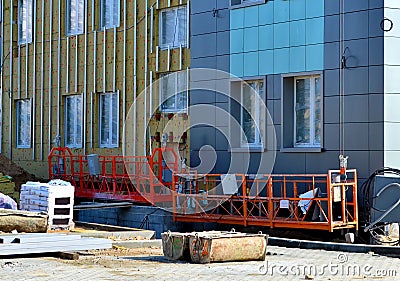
(7, 187)
(54, 198)
(33, 243)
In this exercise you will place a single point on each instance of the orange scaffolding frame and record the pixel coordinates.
(137, 178)
(270, 200)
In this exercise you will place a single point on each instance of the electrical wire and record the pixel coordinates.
(366, 190)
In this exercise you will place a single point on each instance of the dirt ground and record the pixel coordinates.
(18, 174)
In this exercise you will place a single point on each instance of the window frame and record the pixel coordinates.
(312, 93)
(184, 43)
(110, 133)
(176, 109)
(28, 122)
(26, 40)
(234, 4)
(75, 122)
(103, 26)
(80, 29)
(259, 133)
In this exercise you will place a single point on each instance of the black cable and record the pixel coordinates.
(366, 190)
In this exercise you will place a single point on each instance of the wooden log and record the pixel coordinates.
(22, 221)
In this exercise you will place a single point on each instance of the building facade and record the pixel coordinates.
(70, 72)
(326, 70)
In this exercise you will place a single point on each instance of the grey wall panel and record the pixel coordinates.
(203, 6)
(202, 97)
(332, 55)
(198, 47)
(331, 109)
(205, 135)
(223, 20)
(223, 162)
(375, 50)
(376, 136)
(277, 86)
(376, 107)
(375, 4)
(270, 87)
(331, 137)
(360, 161)
(222, 141)
(356, 136)
(202, 23)
(376, 79)
(320, 163)
(376, 161)
(223, 63)
(356, 80)
(331, 82)
(374, 22)
(332, 28)
(223, 43)
(357, 53)
(222, 4)
(356, 25)
(276, 114)
(204, 62)
(332, 7)
(356, 108)
(290, 163)
(392, 136)
(354, 6)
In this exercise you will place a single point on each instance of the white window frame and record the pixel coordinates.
(176, 95)
(312, 143)
(77, 130)
(24, 118)
(258, 114)
(109, 143)
(115, 22)
(79, 20)
(27, 23)
(180, 42)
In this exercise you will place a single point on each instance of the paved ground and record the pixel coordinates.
(281, 264)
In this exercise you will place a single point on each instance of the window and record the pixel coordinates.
(75, 17)
(173, 92)
(23, 112)
(110, 14)
(25, 9)
(307, 112)
(73, 121)
(246, 2)
(173, 28)
(109, 120)
(251, 116)
(302, 107)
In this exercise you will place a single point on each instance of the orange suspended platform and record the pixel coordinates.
(278, 201)
(141, 179)
(309, 201)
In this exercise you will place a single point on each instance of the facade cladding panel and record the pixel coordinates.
(283, 42)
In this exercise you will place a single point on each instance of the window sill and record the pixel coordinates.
(247, 149)
(302, 149)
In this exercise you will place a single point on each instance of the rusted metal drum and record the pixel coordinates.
(176, 245)
(206, 248)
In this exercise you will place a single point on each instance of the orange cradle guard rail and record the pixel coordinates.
(310, 201)
(139, 179)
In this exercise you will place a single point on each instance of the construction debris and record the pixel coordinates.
(214, 246)
(34, 243)
(22, 221)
